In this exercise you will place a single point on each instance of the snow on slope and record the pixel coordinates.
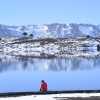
(51, 30)
(86, 30)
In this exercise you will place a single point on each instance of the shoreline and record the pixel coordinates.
(63, 96)
(17, 94)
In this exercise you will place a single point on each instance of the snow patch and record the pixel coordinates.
(52, 96)
(86, 30)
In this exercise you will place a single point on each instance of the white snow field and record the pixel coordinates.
(52, 96)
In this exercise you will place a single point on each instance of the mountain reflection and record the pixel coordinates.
(9, 63)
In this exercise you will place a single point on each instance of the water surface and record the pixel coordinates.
(24, 74)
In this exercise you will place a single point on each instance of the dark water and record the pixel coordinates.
(24, 74)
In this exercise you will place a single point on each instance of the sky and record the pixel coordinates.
(27, 12)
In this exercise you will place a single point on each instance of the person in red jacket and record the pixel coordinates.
(43, 87)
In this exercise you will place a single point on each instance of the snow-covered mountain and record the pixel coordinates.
(54, 30)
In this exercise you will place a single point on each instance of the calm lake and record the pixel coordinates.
(25, 74)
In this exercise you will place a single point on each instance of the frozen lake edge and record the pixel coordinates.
(66, 96)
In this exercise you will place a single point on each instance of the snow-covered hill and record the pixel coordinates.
(54, 30)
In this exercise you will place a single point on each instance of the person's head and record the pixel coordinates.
(42, 81)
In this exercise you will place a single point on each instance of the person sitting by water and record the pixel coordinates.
(43, 87)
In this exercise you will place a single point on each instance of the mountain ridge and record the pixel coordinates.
(54, 30)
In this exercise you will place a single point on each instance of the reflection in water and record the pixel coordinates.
(55, 64)
(25, 74)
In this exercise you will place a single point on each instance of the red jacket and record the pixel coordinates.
(44, 87)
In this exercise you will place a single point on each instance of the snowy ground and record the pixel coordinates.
(74, 96)
(51, 47)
